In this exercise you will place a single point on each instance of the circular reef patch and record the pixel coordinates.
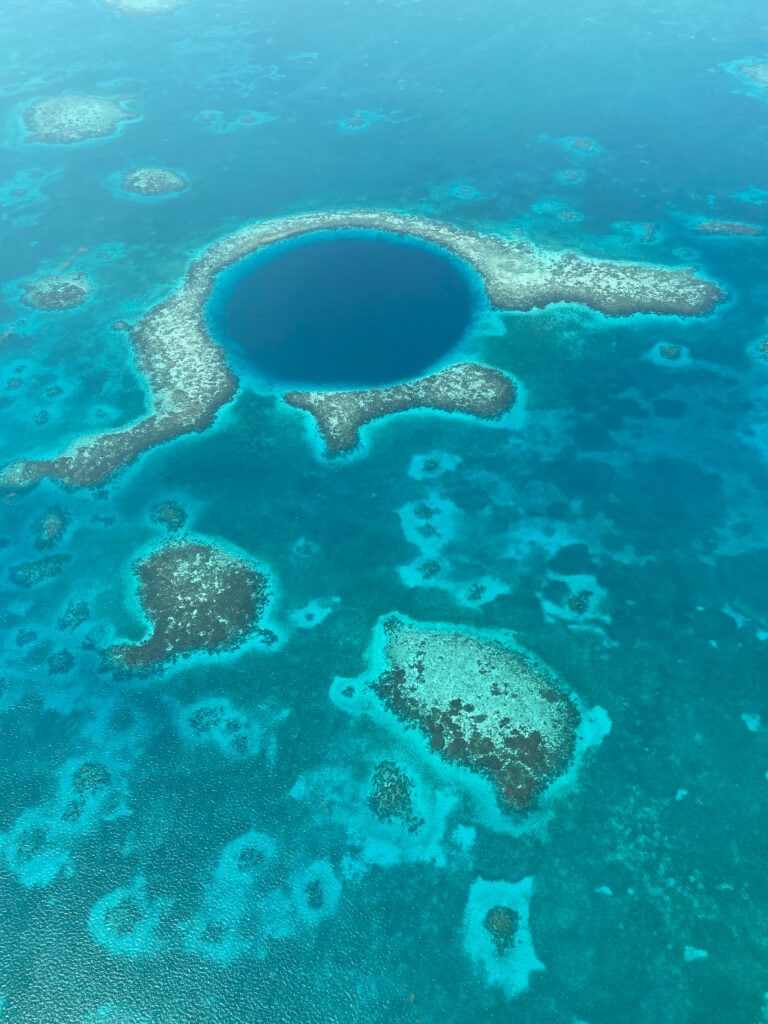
(344, 309)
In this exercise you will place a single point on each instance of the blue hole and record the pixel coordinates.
(344, 309)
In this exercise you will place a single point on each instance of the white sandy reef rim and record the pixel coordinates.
(186, 373)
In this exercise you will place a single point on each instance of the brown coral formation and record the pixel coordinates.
(51, 527)
(75, 118)
(481, 705)
(728, 227)
(186, 374)
(463, 387)
(670, 352)
(197, 598)
(169, 514)
(390, 795)
(153, 181)
(30, 574)
(55, 291)
(502, 923)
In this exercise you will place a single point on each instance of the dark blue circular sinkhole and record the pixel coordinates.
(340, 309)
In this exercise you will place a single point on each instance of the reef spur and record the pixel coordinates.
(186, 374)
(463, 387)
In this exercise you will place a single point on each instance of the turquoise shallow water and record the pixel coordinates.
(237, 873)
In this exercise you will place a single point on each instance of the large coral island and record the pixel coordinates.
(197, 597)
(463, 387)
(186, 373)
(478, 703)
(75, 118)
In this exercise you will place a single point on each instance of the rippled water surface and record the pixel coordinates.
(301, 810)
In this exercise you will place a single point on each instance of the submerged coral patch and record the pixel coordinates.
(56, 291)
(315, 892)
(390, 796)
(40, 843)
(153, 182)
(51, 527)
(197, 597)
(215, 722)
(729, 227)
(169, 514)
(464, 387)
(125, 921)
(497, 934)
(220, 929)
(752, 72)
(30, 574)
(75, 118)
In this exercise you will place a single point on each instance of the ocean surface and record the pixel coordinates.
(198, 842)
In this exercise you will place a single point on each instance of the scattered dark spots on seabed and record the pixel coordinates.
(345, 310)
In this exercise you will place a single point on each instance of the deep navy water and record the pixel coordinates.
(361, 310)
(637, 478)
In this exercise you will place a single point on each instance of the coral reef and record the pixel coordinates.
(728, 227)
(463, 387)
(126, 920)
(497, 934)
(91, 777)
(51, 527)
(390, 795)
(75, 614)
(481, 705)
(61, 662)
(670, 352)
(197, 597)
(755, 71)
(75, 118)
(216, 722)
(221, 930)
(169, 514)
(29, 574)
(502, 923)
(315, 892)
(41, 841)
(186, 374)
(51, 292)
(153, 181)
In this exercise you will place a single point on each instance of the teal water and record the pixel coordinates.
(212, 882)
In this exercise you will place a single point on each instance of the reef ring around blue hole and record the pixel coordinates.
(344, 308)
